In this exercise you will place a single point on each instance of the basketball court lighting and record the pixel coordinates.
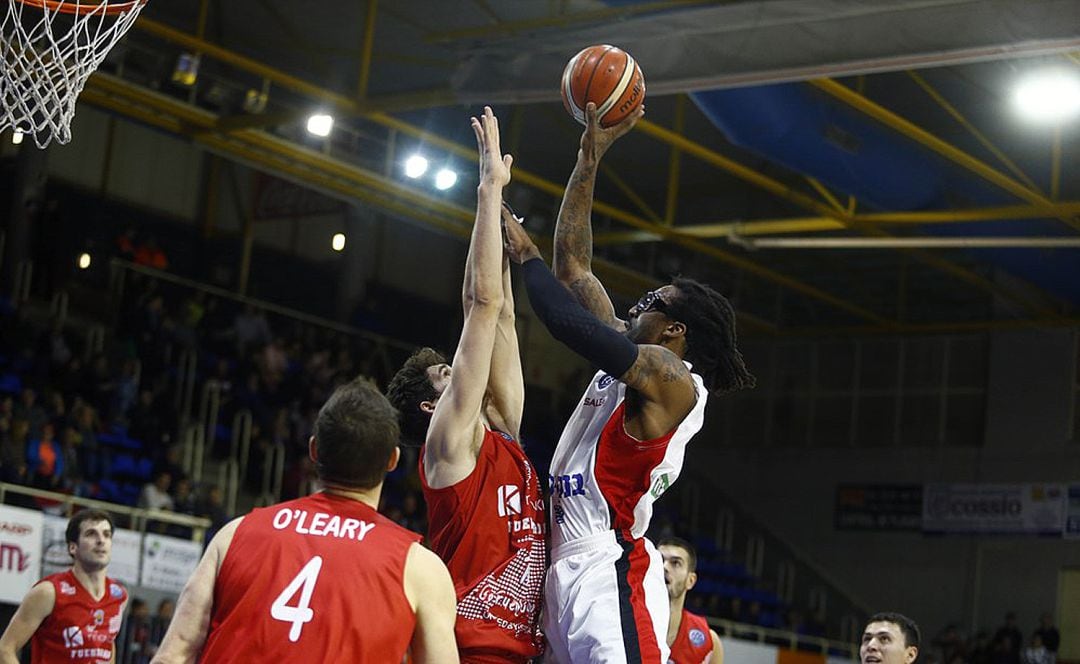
(415, 166)
(1048, 96)
(338, 241)
(320, 124)
(84, 260)
(445, 179)
(16, 137)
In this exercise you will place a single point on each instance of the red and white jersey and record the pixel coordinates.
(604, 479)
(693, 644)
(80, 629)
(318, 579)
(489, 530)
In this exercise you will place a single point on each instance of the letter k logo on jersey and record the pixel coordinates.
(72, 637)
(509, 500)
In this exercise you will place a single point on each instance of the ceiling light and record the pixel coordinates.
(338, 242)
(445, 179)
(84, 260)
(320, 124)
(1049, 96)
(16, 137)
(415, 166)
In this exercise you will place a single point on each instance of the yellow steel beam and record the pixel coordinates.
(823, 224)
(511, 27)
(1055, 164)
(321, 171)
(687, 146)
(826, 194)
(368, 48)
(947, 150)
(674, 164)
(972, 129)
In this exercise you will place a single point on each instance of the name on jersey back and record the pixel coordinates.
(321, 524)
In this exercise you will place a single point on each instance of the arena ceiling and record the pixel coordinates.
(888, 126)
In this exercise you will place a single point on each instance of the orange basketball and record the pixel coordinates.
(608, 77)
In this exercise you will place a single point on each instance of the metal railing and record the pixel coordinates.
(138, 516)
(782, 638)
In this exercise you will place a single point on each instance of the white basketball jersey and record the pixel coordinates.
(604, 479)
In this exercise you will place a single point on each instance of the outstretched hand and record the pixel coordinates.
(596, 140)
(494, 165)
(518, 245)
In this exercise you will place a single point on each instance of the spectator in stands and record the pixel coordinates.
(30, 410)
(159, 624)
(137, 633)
(145, 423)
(1037, 652)
(151, 254)
(155, 494)
(72, 479)
(1049, 634)
(86, 428)
(12, 457)
(45, 461)
(1015, 639)
(889, 638)
(126, 391)
(125, 244)
(214, 509)
(981, 651)
(950, 643)
(250, 329)
(412, 514)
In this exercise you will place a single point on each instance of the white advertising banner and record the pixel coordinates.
(20, 552)
(168, 562)
(126, 546)
(746, 652)
(994, 509)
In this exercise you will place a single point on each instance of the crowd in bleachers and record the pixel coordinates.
(1008, 644)
(107, 426)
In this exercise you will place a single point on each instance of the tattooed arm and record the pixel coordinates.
(572, 262)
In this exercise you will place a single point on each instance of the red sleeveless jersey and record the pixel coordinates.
(489, 530)
(80, 629)
(318, 579)
(693, 644)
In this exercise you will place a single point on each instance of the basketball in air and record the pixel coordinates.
(608, 77)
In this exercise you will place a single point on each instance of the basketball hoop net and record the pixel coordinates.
(48, 49)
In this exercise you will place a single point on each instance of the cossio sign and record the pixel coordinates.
(1002, 509)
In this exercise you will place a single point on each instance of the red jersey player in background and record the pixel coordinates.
(689, 636)
(485, 509)
(323, 578)
(73, 616)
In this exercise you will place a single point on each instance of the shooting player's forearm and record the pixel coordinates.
(573, 230)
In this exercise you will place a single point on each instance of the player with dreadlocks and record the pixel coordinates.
(605, 598)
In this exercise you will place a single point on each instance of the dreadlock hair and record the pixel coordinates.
(711, 340)
(356, 432)
(410, 387)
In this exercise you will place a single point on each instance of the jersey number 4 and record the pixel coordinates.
(300, 613)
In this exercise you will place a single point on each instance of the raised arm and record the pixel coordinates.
(190, 625)
(572, 263)
(506, 385)
(430, 591)
(34, 609)
(665, 390)
(456, 431)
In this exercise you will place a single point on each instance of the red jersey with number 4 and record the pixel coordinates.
(80, 629)
(489, 530)
(318, 579)
(693, 644)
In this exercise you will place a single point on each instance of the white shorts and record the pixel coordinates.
(606, 602)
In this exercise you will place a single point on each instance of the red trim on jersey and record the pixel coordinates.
(684, 650)
(624, 466)
(639, 635)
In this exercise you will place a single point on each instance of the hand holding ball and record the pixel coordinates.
(606, 76)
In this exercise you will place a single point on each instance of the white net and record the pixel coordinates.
(47, 51)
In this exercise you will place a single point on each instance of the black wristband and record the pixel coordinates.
(575, 326)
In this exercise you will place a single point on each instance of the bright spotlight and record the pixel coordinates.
(415, 166)
(338, 242)
(84, 260)
(320, 124)
(1050, 96)
(16, 137)
(445, 179)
